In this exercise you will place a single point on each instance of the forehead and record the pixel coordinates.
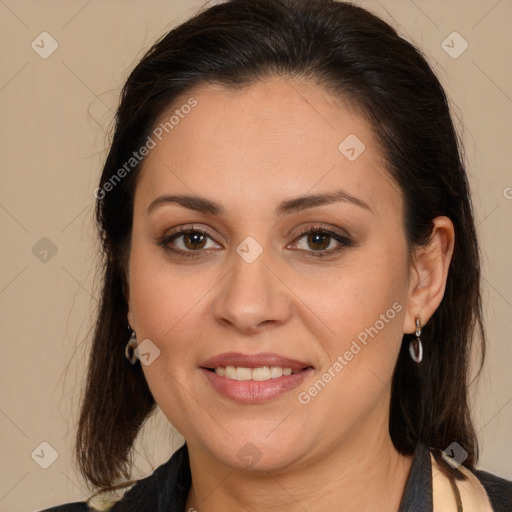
(272, 139)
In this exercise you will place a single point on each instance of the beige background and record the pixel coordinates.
(55, 115)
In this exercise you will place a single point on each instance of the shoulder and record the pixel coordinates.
(167, 484)
(78, 506)
(498, 489)
(141, 496)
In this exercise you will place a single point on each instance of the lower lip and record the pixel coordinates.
(255, 392)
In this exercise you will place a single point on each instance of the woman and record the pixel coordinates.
(287, 228)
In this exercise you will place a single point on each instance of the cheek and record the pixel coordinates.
(162, 296)
(363, 307)
(368, 289)
(162, 299)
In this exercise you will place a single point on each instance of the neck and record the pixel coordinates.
(363, 474)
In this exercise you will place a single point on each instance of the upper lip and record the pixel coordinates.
(253, 361)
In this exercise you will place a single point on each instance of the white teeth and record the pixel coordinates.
(259, 374)
(230, 372)
(276, 371)
(243, 373)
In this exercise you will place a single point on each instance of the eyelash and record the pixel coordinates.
(344, 241)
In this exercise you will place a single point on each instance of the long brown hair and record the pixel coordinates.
(355, 55)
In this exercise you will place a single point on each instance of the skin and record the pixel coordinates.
(249, 150)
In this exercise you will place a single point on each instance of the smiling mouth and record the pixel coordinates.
(261, 373)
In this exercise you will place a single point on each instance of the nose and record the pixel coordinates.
(252, 296)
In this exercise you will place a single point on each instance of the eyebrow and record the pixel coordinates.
(204, 205)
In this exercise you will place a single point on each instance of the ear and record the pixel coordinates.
(428, 274)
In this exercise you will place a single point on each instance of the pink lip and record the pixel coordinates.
(253, 361)
(255, 392)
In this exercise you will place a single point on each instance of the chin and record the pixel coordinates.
(259, 454)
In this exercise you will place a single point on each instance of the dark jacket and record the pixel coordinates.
(166, 489)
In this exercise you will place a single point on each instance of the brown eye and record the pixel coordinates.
(318, 240)
(188, 242)
(194, 241)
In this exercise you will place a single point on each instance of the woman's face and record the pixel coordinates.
(248, 281)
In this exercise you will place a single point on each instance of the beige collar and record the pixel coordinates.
(473, 497)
